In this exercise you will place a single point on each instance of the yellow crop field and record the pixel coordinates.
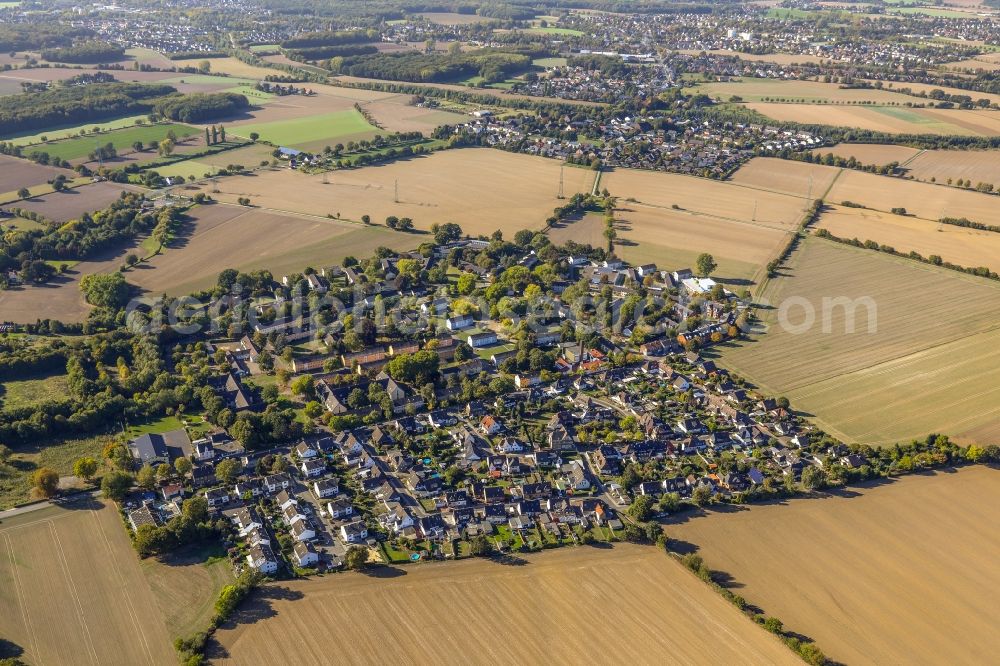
(956, 245)
(799, 179)
(704, 197)
(928, 201)
(651, 608)
(71, 591)
(978, 166)
(759, 90)
(870, 153)
(479, 188)
(891, 119)
(920, 357)
(903, 573)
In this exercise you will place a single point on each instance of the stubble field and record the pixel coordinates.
(931, 202)
(979, 166)
(870, 153)
(481, 189)
(893, 120)
(16, 173)
(757, 90)
(573, 605)
(799, 179)
(957, 245)
(897, 574)
(71, 591)
(222, 236)
(928, 363)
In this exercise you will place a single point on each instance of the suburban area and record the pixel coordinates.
(675, 318)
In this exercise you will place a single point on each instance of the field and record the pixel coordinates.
(555, 31)
(705, 197)
(979, 166)
(799, 179)
(69, 204)
(924, 200)
(453, 18)
(896, 574)
(757, 90)
(649, 609)
(74, 130)
(17, 173)
(28, 391)
(479, 188)
(894, 120)
(986, 61)
(777, 58)
(222, 236)
(60, 298)
(870, 153)
(311, 132)
(237, 68)
(922, 358)
(491, 92)
(186, 587)
(957, 245)
(249, 156)
(74, 149)
(74, 569)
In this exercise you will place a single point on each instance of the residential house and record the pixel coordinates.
(262, 558)
(354, 532)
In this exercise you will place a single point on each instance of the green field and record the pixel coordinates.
(73, 130)
(549, 62)
(936, 13)
(555, 31)
(302, 131)
(58, 454)
(72, 149)
(32, 391)
(210, 80)
(257, 48)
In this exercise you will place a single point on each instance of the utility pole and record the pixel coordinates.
(396, 186)
(754, 218)
(810, 196)
(561, 195)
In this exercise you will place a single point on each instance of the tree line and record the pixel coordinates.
(85, 53)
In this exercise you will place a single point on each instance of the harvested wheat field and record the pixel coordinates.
(398, 114)
(870, 153)
(652, 609)
(74, 202)
(777, 58)
(890, 119)
(922, 354)
(931, 202)
(479, 188)
(674, 239)
(978, 166)
(71, 591)
(985, 61)
(221, 236)
(704, 197)
(799, 179)
(956, 245)
(759, 90)
(899, 573)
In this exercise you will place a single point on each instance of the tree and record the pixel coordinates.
(641, 508)
(254, 136)
(813, 478)
(46, 481)
(115, 485)
(304, 385)
(85, 468)
(705, 264)
(105, 290)
(356, 557)
(228, 470)
(208, 138)
(701, 495)
(166, 147)
(146, 477)
(182, 466)
(23, 193)
(222, 134)
(481, 546)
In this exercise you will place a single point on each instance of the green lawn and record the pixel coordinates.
(300, 131)
(555, 31)
(73, 130)
(549, 62)
(32, 391)
(157, 426)
(122, 139)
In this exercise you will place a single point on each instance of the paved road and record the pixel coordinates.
(17, 511)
